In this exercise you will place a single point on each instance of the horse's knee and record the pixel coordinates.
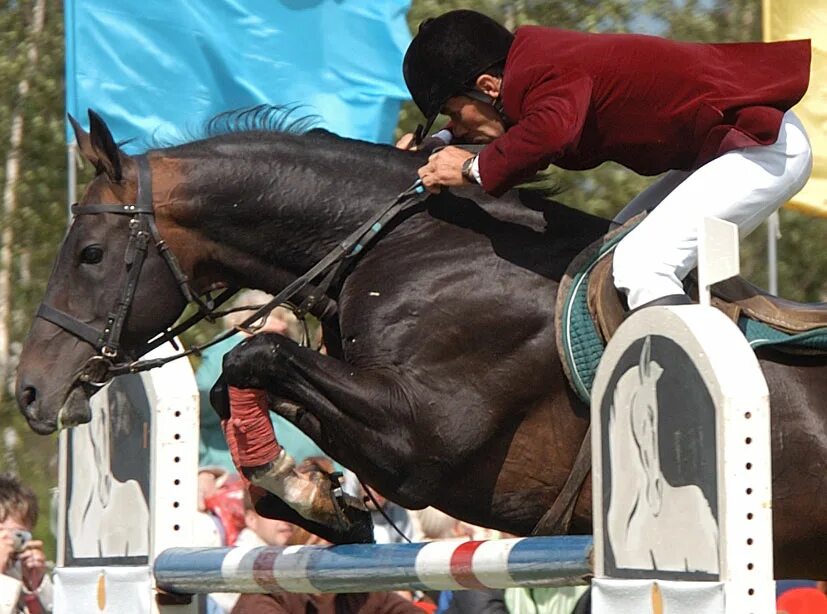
(253, 361)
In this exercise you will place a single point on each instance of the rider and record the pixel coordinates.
(713, 117)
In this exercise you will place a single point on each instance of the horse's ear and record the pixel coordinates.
(84, 144)
(645, 354)
(107, 155)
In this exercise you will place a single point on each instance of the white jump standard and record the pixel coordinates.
(681, 459)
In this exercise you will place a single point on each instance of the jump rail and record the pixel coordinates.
(529, 562)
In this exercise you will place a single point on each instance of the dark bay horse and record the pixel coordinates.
(442, 385)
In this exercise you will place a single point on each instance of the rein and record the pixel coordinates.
(142, 228)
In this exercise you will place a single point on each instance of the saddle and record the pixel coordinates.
(736, 298)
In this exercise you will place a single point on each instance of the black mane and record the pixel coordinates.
(261, 118)
(273, 129)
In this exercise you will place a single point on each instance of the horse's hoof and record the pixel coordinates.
(343, 513)
(359, 528)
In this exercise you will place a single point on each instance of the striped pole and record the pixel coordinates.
(441, 565)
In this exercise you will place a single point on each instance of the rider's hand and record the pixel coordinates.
(33, 564)
(444, 169)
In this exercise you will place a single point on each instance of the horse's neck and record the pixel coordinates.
(292, 214)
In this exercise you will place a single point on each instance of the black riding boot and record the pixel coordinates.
(664, 301)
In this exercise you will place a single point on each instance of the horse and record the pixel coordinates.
(442, 384)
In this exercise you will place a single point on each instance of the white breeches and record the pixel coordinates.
(743, 186)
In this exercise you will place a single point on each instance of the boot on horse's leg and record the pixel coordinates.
(269, 505)
(316, 496)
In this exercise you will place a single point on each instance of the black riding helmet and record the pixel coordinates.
(447, 55)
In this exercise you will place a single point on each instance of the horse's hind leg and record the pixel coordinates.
(340, 406)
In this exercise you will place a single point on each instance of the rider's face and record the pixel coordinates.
(473, 121)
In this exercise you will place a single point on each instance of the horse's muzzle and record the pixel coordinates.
(28, 402)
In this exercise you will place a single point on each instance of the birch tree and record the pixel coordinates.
(12, 176)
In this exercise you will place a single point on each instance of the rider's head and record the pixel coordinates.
(454, 65)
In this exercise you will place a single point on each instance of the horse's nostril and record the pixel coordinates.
(28, 396)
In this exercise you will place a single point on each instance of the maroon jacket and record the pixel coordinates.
(577, 100)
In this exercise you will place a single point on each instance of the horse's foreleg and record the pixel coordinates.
(257, 455)
(346, 406)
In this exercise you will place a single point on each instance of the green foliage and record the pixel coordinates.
(39, 220)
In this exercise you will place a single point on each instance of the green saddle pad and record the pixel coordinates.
(583, 346)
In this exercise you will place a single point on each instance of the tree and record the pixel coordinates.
(33, 228)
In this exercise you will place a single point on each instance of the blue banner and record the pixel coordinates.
(161, 68)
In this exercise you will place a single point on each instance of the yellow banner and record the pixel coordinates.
(795, 19)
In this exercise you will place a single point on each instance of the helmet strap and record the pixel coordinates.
(484, 98)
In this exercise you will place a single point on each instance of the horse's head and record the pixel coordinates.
(110, 290)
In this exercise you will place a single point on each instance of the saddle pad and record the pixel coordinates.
(580, 344)
(760, 334)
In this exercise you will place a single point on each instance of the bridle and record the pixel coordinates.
(142, 230)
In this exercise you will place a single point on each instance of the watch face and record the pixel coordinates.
(466, 169)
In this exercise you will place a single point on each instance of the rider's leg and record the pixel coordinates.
(743, 186)
(651, 196)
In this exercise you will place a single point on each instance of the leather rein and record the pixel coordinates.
(143, 230)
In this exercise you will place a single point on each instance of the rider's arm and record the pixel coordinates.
(553, 110)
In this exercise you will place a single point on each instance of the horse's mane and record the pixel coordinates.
(261, 118)
(265, 125)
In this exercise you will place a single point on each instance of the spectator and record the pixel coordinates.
(389, 520)
(261, 531)
(552, 600)
(213, 449)
(327, 603)
(221, 495)
(25, 585)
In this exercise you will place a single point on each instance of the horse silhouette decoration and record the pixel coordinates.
(645, 515)
(442, 385)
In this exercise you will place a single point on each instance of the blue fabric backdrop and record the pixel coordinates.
(160, 68)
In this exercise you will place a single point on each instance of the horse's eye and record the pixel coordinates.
(91, 254)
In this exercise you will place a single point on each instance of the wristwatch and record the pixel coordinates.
(466, 169)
